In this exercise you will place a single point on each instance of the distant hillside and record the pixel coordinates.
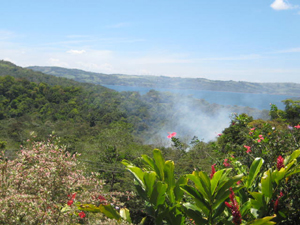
(291, 89)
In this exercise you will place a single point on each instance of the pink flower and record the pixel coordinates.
(213, 170)
(261, 137)
(259, 140)
(252, 128)
(248, 148)
(237, 217)
(298, 126)
(219, 135)
(280, 161)
(239, 182)
(81, 214)
(226, 163)
(171, 135)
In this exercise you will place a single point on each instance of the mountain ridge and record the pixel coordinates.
(292, 89)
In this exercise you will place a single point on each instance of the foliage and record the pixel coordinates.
(40, 186)
(258, 192)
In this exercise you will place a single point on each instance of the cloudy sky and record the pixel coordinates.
(248, 40)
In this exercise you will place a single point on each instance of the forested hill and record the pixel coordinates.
(292, 89)
(81, 112)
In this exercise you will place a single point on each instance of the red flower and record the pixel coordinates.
(81, 214)
(298, 126)
(74, 195)
(101, 198)
(70, 202)
(234, 207)
(248, 148)
(280, 161)
(276, 202)
(226, 163)
(213, 170)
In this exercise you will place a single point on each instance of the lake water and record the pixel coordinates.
(259, 101)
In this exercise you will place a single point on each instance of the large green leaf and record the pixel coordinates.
(198, 197)
(136, 171)
(195, 177)
(278, 175)
(254, 170)
(226, 185)
(149, 180)
(293, 156)
(223, 195)
(148, 161)
(158, 194)
(125, 214)
(263, 221)
(193, 212)
(178, 192)
(215, 180)
(258, 200)
(266, 184)
(110, 212)
(205, 181)
(297, 170)
(159, 163)
(169, 179)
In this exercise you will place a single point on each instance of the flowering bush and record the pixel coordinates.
(41, 184)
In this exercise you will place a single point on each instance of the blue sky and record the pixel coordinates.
(248, 40)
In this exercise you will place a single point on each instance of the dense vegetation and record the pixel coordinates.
(107, 128)
(291, 89)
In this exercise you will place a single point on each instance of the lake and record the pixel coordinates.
(259, 101)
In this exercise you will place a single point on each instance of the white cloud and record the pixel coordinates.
(118, 25)
(282, 5)
(289, 50)
(76, 52)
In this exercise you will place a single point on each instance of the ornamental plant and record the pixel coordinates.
(45, 185)
(253, 196)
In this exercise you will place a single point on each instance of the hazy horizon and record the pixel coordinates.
(254, 41)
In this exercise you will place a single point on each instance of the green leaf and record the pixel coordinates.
(198, 197)
(245, 208)
(136, 171)
(278, 175)
(158, 194)
(223, 195)
(293, 156)
(254, 170)
(148, 161)
(297, 170)
(178, 192)
(226, 185)
(149, 180)
(266, 184)
(205, 181)
(263, 221)
(215, 180)
(125, 214)
(159, 163)
(110, 212)
(193, 212)
(258, 201)
(202, 183)
(107, 210)
(169, 179)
